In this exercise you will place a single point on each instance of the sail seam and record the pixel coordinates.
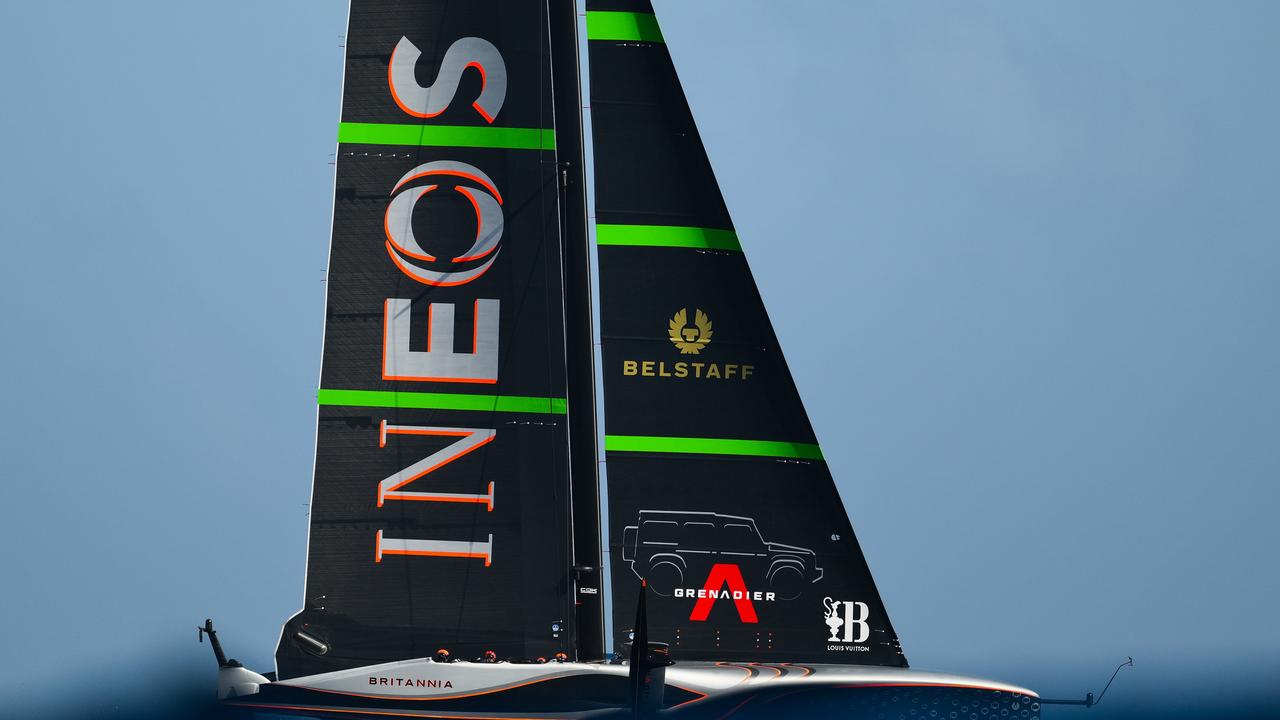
(443, 401)
(712, 446)
(504, 138)
(672, 236)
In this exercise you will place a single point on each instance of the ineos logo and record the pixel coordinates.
(441, 362)
(404, 247)
(430, 101)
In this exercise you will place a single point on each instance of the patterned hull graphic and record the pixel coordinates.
(423, 688)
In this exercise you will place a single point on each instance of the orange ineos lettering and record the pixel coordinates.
(439, 363)
(433, 100)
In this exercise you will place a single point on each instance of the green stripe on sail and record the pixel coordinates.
(447, 136)
(672, 236)
(443, 401)
(608, 25)
(712, 446)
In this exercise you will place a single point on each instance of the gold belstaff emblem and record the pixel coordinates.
(690, 340)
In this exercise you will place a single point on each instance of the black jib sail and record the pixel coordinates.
(440, 514)
(718, 493)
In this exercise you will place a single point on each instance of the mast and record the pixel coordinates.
(586, 574)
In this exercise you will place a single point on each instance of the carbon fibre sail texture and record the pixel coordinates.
(441, 502)
(718, 492)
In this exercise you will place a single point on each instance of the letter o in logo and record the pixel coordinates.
(403, 246)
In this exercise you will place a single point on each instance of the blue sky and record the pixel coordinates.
(1021, 257)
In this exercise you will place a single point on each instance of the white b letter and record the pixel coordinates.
(864, 630)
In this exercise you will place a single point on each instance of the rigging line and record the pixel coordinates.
(1127, 663)
(546, 70)
(1089, 700)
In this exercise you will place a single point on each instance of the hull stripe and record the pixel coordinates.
(453, 696)
(778, 672)
(749, 673)
(807, 670)
(951, 686)
(385, 713)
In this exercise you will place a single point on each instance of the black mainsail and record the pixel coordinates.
(442, 499)
(718, 492)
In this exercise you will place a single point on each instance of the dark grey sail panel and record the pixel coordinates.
(718, 493)
(441, 502)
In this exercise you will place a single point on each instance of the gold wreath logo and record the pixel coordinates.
(690, 340)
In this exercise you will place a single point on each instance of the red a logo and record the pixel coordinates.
(723, 574)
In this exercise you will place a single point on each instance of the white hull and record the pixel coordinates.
(424, 688)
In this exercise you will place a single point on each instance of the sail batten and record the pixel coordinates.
(719, 494)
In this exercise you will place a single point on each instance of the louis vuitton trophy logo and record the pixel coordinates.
(842, 616)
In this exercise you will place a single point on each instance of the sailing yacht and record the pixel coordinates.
(455, 561)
